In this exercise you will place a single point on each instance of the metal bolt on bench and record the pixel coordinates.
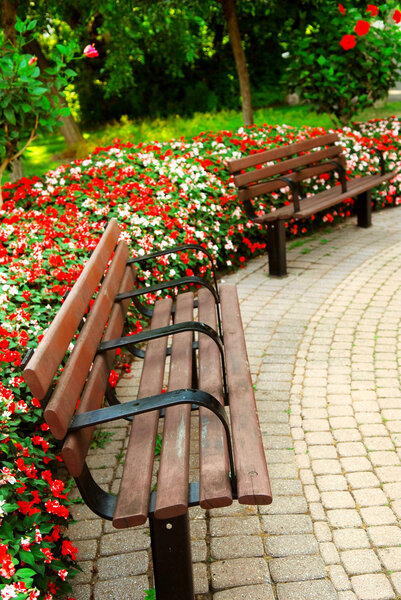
(210, 374)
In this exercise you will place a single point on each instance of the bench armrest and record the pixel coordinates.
(175, 249)
(103, 503)
(381, 158)
(295, 190)
(164, 285)
(341, 173)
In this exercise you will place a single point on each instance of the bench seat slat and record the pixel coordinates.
(355, 187)
(215, 486)
(76, 445)
(133, 498)
(172, 483)
(327, 198)
(287, 165)
(282, 151)
(252, 476)
(43, 365)
(60, 409)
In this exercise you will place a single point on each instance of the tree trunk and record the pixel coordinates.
(69, 128)
(16, 170)
(9, 18)
(230, 14)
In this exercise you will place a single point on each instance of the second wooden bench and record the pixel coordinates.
(288, 166)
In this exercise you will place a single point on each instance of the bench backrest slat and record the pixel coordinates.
(252, 476)
(133, 499)
(76, 445)
(259, 158)
(215, 486)
(172, 483)
(61, 406)
(43, 365)
(259, 189)
(286, 165)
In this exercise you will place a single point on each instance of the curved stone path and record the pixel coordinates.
(324, 346)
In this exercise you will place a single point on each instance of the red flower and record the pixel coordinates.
(113, 378)
(68, 548)
(397, 16)
(362, 27)
(48, 554)
(348, 41)
(7, 569)
(341, 9)
(373, 9)
(54, 506)
(90, 51)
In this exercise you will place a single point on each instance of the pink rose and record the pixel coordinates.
(90, 51)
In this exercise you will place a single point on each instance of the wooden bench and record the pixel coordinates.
(208, 370)
(288, 166)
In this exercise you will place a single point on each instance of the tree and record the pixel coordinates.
(230, 14)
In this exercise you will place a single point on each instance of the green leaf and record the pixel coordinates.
(25, 573)
(38, 91)
(10, 115)
(6, 531)
(321, 60)
(64, 111)
(19, 26)
(27, 557)
(31, 25)
(45, 103)
(62, 49)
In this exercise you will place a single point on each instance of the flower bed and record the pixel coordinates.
(162, 194)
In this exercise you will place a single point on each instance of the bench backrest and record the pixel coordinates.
(259, 173)
(84, 377)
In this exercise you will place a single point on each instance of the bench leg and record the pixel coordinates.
(172, 561)
(364, 209)
(276, 248)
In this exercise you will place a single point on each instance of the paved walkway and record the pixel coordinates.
(324, 346)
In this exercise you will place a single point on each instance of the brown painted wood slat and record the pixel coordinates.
(273, 185)
(61, 406)
(284, 166)
(133, 499)
(252, 476)
(327, 198)
(76, 445)
(43, 365)
(215, 486)
(172, 483)
(259, 158)
(326, 167)
(335, 196)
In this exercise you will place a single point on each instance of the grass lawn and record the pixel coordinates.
(49, 152)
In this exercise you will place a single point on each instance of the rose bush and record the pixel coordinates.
(162, 194)
(347, 59)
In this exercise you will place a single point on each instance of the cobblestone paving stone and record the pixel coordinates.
(324, 347)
